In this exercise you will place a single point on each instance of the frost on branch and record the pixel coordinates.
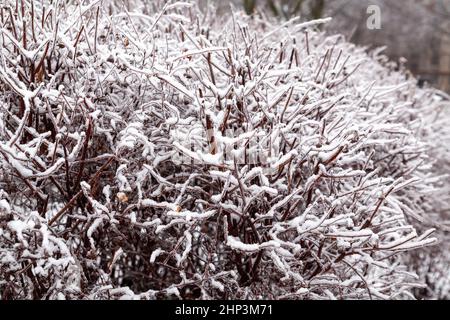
(156, 151)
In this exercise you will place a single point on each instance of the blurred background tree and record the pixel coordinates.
(418, 31)
(287, 8)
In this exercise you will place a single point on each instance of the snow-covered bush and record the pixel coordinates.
(150, 150)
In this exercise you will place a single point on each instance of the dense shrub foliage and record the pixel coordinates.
(152, 150)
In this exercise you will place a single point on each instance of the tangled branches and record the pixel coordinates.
(156, 151)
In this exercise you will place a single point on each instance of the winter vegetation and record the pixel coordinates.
(419, 31)
(153, 150)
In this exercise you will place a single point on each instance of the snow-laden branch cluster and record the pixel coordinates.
(155, 151)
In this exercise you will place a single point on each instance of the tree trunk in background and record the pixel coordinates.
(444, 61)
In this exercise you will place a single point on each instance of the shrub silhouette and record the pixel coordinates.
(126, 142)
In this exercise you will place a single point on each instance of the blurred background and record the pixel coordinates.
(416, 30)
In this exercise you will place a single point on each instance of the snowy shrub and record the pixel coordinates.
(152, 150)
